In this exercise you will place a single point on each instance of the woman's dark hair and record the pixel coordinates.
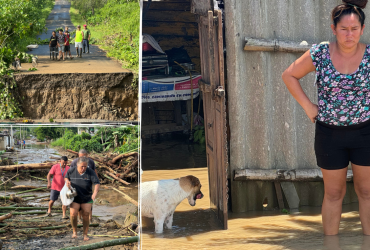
(349, 7)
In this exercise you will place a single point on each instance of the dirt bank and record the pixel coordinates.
(197, 226)
(101, 96)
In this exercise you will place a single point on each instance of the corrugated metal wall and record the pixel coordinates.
(269, 129)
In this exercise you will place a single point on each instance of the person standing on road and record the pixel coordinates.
(24, 143)
(67, 47)
(82, 178)
(61, 44)
(53, 44)
(58, 171)
(91, 165)
(342, 115)
(78, 41)
(86, 40)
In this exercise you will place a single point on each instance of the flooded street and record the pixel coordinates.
(33, 153)
(197, 228)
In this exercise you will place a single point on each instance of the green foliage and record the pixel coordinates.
(199, 134)
(114, 26)
(127, 139)
(47, 133)
(32, 69)
(20, 22)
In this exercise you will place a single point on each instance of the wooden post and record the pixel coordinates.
(279, 194)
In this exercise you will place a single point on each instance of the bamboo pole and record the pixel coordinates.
(6, 216)
(27, 166)
(47, 228)
(32, 212)
(118, 179)
(23, 208)
(37, 189)
(23, 187)
(36, 198)
(127, 197)
(109, 178)
(39, 178)
(106, 243)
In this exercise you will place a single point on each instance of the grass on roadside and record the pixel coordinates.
(116, 31)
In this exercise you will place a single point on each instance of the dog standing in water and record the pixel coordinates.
(159, 199)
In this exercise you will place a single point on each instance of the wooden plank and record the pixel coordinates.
(171, 28)
(201, 7)
(176, 6)
(221, 49)
(279, 194)
(311, 174)
(291, 195)
(255, 44)
(170, 16)
(211, 59)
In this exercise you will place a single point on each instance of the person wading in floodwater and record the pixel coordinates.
(58, 172)
(91, 165)
(82, 178)
(342, 115)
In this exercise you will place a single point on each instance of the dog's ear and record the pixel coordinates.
(194, 180)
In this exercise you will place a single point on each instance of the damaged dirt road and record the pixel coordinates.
(95, 62)
(114, 214)
(92, 87)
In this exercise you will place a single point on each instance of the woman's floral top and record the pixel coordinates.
(343, 99)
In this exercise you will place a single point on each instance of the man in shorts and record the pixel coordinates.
(91, 165)
(58, 171)
(53, 45)
(86, 40)
(82, 178)
(78, 41)
(67, 47)
(61, 44)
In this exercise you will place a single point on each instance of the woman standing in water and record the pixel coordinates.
(342, 115)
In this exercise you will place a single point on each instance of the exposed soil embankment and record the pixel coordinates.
(102, 96)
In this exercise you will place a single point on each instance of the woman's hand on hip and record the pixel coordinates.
(312, 112)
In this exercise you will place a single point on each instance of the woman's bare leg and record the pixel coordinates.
(362, 187)
(335, 189)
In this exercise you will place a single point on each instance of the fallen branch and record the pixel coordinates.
(106, 176)
(36, 198)
(9, 179)
(125, 155)
(32, 212)
(6, 216)
(129, 167)
(112, 236)
(118, 179)
(23, 208)
(106, 243)
(127, 197)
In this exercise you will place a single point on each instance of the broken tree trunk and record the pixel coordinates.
(118, 179)
(127, 197)
(134, 163)
(106, 243)
(313, 174)
(125, 155)
(27, 166)
(4, 217)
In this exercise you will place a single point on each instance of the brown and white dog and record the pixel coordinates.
(159, 199)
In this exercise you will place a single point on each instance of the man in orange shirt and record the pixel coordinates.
(59, 172)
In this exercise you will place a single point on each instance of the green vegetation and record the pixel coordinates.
(199, 134)
(21, 21)
(114, 26)
(121, 139)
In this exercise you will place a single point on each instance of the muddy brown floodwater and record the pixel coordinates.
(197, 228)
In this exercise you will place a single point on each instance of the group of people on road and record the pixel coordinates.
(60, 43)
(81, 175)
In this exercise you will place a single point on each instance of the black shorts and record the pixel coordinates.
(53, 49)
(67, 48)
(336, 146)
(54, 195)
